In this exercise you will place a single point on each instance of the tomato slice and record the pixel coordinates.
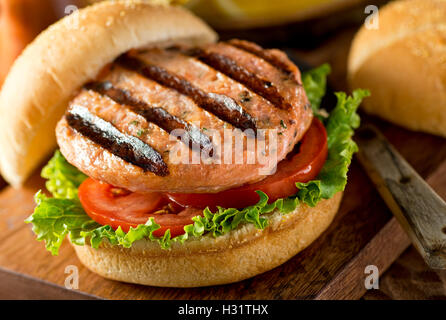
(116, 207)
(303, 166)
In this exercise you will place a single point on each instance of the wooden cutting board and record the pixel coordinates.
(363, 233)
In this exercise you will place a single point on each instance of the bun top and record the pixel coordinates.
(402, 63)
(69, 53)
(397, 20)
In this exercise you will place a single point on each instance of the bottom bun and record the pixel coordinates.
(235, 256)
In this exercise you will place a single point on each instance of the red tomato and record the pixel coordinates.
(301, 167)
(116, 207)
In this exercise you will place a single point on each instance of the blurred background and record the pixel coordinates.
(22, 20)
(301, 24)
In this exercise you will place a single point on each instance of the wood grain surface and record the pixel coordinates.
(409, 278)
(364, 232)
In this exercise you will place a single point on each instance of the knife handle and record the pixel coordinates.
(420, 211)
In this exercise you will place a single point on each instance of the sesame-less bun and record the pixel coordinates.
(403, 63)
(237, 255)
(69, 53)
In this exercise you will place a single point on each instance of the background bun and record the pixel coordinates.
(237, 255)
(64, 57)
(403, 63)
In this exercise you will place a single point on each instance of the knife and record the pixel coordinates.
(420, 211)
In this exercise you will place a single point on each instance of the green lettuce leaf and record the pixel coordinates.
(315, 84)
(340, 127)
(63, 179)
(55, 218)
(224, 220)
(119, 237)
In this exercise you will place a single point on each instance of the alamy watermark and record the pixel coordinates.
(72, 280)
(372, 20)
(73, 12)
(372, 279)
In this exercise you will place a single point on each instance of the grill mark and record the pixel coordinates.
(224, 107)
(239, 73)
(261, 53)
(128, 148)
(160, 117)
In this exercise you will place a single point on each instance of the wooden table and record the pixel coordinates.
(363, 233)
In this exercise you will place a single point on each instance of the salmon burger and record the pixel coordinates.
(181, 161)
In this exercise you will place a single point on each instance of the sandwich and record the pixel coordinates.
(181, 161)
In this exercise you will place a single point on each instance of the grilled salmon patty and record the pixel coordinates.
(117, 129)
